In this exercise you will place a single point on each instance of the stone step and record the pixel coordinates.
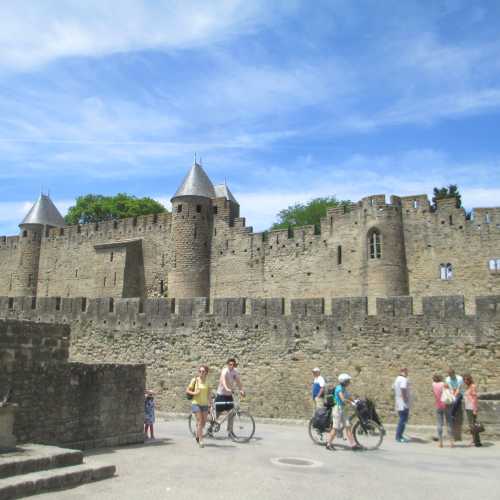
(36, 457)
(53, 479)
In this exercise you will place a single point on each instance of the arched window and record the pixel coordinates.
(375, 244)
(446, 271)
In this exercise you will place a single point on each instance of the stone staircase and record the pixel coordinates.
(33, 468)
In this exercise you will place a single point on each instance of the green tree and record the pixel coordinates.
(97, 208)
(447, 192)
(304, 214)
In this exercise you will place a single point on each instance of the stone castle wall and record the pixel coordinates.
(150, 256)
(278, 342)
(73, 404)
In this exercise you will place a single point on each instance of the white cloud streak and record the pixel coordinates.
(33, 33)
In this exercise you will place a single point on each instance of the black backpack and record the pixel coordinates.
(322, 417)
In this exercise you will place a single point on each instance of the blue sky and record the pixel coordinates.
(287, 100)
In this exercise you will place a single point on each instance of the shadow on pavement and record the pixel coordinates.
(113, 449)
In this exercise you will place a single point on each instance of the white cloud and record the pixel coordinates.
(33, 32)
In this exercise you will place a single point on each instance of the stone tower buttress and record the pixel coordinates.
(42, 215)
(192, 222)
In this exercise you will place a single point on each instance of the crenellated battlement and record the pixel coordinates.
(112, 229)
(9, 241)
(157, 313)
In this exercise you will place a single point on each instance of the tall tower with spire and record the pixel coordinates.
(43, 215)
(192, 222)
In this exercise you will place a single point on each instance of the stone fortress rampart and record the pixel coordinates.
(278, 342)
(204, 248)
(375, 286)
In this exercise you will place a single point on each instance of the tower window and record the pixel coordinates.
(104, 282)
(446, 271)
(111, 256)
(179, 209)
(415, 203)
(216, 209)
(76, 273)
(25, 233)
(162, 287)
(374, 241)
(494, 266)
(198, 208)
(339, 255)
(487, 218)
(30, 280)
(61, 231)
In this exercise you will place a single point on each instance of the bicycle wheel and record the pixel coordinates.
(242, 426)
(192, 426)
(317, 436)
(368, 435)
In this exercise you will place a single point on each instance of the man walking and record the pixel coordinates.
(318, 389)
(402, 402)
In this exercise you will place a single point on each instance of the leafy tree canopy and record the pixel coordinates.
(97, 208)
(447, 192)
(310, 213)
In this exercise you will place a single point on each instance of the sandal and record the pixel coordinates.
(330, 447)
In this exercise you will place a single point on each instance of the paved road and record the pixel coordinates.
(173, 467)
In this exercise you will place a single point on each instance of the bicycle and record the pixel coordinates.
(367, 430)
(240, 424)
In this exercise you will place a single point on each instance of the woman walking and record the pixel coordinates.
(200, 390)
(443, 408)
(470, 398)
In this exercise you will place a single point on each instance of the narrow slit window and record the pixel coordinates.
(375, 245)
(339, 255)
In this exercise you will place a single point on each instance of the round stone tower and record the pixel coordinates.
(385, 272)
(192, 221)
(43, 215)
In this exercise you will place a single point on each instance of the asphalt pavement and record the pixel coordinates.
(282, 463)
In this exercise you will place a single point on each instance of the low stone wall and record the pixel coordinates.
(489, 413)
(71, 404)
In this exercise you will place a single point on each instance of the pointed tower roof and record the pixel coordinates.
(196, 183)
(43, 212)
(222, 191)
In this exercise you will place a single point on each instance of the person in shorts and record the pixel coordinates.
(339, 413)
(200, 390)
(229, 379)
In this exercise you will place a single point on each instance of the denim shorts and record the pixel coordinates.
(199, 408)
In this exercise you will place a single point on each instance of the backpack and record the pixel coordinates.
(321, 418)
(191, 387)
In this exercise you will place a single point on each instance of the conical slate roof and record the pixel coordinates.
(43, 212)
(196, 183)
(222, 191)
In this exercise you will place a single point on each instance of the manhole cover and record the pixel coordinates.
(296, 462)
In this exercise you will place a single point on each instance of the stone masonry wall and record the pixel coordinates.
(277, 351)
(71, 404)
(137, 256)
